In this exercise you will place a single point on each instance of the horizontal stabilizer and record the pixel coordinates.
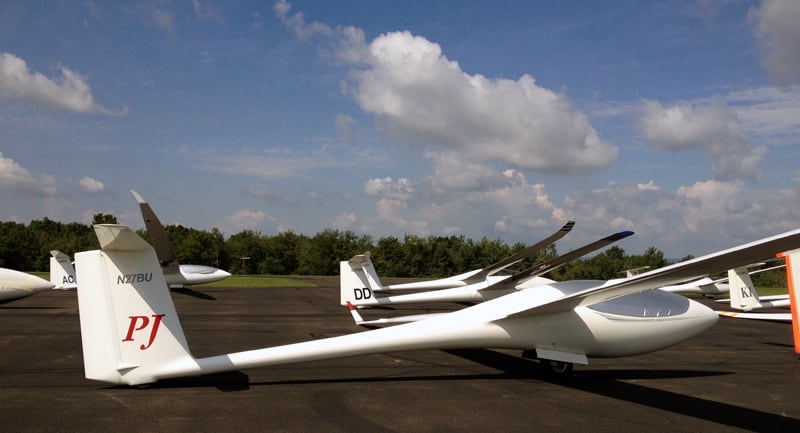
(60, 256)
(114, 237)
(359, 259)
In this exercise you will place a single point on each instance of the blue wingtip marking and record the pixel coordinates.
(626, 233)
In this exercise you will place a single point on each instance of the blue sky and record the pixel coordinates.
(679, 120)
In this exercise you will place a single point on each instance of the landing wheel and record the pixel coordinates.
(555, 368)
(558, 368)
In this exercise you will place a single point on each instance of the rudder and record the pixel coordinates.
(129, 327)
(743, 293)
(357, 281)
(62, 273)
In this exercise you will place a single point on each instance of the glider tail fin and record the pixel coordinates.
(62, 273)
(742, 291)
(129, 327)
(793, 283)
(358, 281)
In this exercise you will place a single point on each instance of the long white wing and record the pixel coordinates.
(742, 255)
(545, 267)
(521, 255)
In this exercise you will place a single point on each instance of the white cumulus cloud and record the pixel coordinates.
(345, 221)
(777, 30)
(400, 189)
(713, 128)
(70, 92)
(420, 96)
(91, 185)
(16, 178)
(246, 219)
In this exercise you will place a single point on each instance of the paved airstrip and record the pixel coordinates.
(738, 376)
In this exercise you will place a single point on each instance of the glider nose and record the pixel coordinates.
(24, 281)
(703, 316)
(36, 284)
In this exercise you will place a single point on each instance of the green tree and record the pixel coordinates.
(18, 247)
(388, 257)
(102, 218)
(246, 250)
(283, 253)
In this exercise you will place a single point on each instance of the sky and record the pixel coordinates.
(679, 120)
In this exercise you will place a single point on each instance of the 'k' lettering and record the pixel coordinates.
(746, 293)
(139, 323)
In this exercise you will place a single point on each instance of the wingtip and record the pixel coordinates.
(139, 198)
(617, 236)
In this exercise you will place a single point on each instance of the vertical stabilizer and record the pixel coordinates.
(793, 283)
(742, 291)
(129, 326)
(62, 273)
(358, 281)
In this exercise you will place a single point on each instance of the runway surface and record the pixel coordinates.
(740, 375)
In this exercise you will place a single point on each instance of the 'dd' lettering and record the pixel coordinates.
(362, 293)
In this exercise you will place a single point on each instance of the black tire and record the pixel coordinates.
(557, 368)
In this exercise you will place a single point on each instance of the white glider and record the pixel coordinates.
(16, 285)
(744, 297)
(176, 274)
(711, 288)
(359, 284)
(359, 267)
(743, 294)
(131, 333)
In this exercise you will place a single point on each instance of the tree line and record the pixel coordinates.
(27, 247)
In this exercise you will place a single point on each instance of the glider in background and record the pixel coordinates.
(359, 268)
(744, 297)
(176, 274)
(16, 285)
(711, 288)
(359, 284)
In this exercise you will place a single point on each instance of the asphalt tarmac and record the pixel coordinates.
(740, 375)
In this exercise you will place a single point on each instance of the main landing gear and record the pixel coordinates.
(561, 369)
